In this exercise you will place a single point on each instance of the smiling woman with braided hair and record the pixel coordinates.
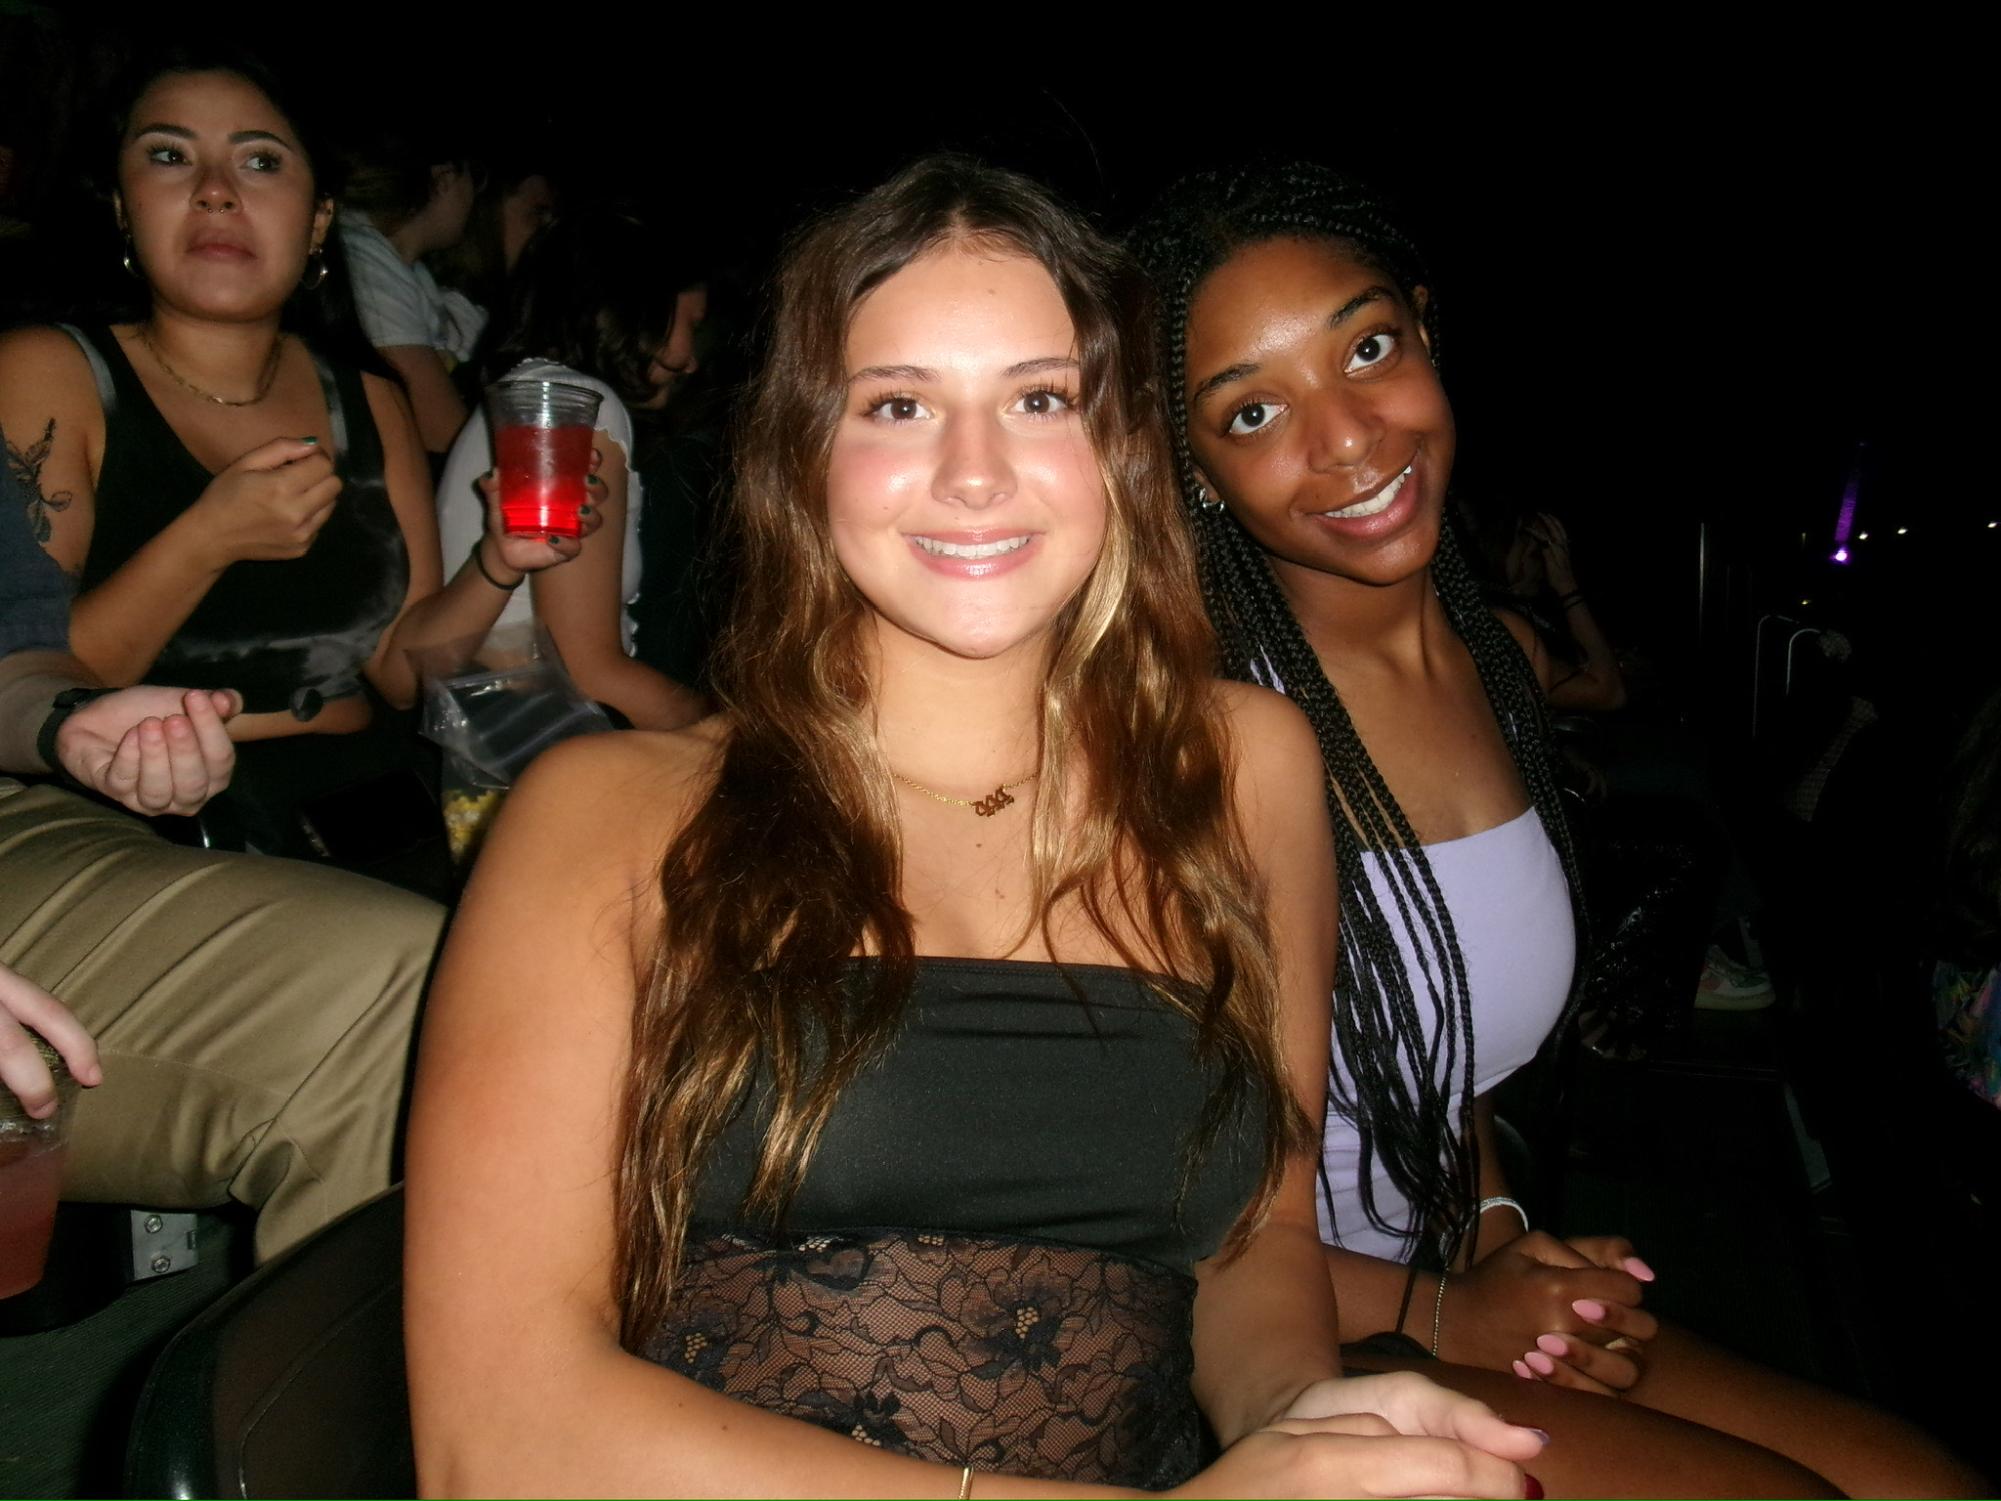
(1315, 444)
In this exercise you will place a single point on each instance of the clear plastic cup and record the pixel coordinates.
(31, 1175)
(542, 449)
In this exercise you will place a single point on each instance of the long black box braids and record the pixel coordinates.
(1401, 1095)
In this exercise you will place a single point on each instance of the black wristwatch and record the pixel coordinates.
(67, 703)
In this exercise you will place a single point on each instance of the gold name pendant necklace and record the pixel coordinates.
(986, 807)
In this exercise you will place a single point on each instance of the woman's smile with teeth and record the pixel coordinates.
(972, 550)
(1376, 504)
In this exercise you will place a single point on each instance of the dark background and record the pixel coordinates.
(1686, 276)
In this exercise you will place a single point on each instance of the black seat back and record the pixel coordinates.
(292, 1383)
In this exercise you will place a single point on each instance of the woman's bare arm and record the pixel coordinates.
(440, 410)
(1596, 683)
(583, 607)
(54, 423)
(1266, 1326)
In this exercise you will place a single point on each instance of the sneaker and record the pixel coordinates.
(1727, 985)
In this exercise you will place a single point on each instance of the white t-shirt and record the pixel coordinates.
(403, 306)
(462, 514)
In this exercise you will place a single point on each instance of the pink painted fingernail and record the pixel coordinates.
(1522, 1370)
(1552, 1344)
(1589, 1308)
(1639, 1268)
(1540, 1363)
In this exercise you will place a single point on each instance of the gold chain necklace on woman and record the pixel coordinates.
(263, 384)
(1001, 797)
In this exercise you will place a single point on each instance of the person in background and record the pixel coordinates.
(407, 196)
(1529, 553)
(684, 463)
(238, 505)
(247, 1022)
(517, 198)
(598, 302)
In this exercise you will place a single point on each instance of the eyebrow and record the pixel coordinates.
(922, 374)
(237, 138)
(1339, 316)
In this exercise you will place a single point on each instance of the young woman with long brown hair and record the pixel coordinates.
(944, 1092)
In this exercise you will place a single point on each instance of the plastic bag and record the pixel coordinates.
(493, 704)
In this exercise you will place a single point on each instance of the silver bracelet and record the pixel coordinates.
(1438, 1313)
(1502, 1201)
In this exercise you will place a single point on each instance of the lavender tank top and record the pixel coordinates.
(1511, 909)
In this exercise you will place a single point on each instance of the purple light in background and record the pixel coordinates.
(1844, 524)
(1841, 555)
(1844, 520)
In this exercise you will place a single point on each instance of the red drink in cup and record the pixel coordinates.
(542, 432)
(31, 1175)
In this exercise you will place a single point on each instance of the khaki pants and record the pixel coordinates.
(255, 1015)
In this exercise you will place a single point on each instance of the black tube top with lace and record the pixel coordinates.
(989, 1261)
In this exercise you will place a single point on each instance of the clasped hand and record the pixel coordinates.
(1566, 1312)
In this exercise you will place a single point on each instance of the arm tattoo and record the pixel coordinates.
(26, 464)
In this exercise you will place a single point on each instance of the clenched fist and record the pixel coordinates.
(269, 505)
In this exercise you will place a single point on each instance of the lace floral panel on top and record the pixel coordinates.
(1014, 1356)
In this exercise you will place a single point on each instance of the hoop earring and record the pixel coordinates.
(126, 261)
(1204, 501)
(316, 271)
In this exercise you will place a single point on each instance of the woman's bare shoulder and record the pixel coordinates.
(46, 361)
(1267, 729)
(628, 788)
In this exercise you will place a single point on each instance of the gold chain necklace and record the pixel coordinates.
(1001, 797)
(263, 384)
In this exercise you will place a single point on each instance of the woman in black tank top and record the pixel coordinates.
(899, 1083)
(239, 508)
